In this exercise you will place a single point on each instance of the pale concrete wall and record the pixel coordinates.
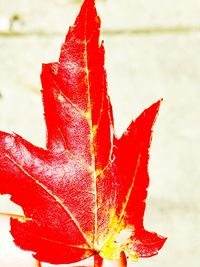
(152, 51)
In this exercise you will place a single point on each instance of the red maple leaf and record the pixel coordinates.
(85, 193)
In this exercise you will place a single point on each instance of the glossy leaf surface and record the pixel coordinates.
(85, 193)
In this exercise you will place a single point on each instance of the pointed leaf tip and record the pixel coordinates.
(151, 112)
(87, 19)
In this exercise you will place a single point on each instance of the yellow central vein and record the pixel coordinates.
(55, 197)
(129, 191)
(91, 130)
(125, 203)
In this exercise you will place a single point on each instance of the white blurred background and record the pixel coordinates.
(152, 51)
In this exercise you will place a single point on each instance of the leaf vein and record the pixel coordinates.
(53, 196)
